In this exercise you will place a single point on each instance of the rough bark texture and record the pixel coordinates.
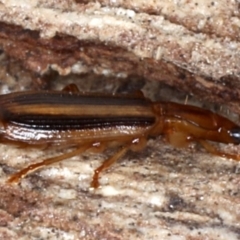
(193, 46)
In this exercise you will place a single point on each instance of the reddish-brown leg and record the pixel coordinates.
(211, 149)
(72, 88)
(135, 145)
(180, 133)
(178, 139)
(33, 167)
(106, 164)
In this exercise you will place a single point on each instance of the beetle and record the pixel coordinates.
(90, 121)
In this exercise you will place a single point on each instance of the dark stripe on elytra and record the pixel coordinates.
(67, 123)
(61, 98)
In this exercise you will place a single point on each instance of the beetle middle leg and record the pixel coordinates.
(135, 145)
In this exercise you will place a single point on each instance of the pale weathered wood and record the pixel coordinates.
(193, 46)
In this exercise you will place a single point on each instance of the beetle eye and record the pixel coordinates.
(235, 134)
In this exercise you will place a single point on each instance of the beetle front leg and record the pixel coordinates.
(180, 133)
(211, 149)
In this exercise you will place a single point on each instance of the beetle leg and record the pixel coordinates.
(181, 133)
(211, 149)
(195, 132)
(72, 88)
(106, 164)
(33, 167)
(136, 145)
(178, 139)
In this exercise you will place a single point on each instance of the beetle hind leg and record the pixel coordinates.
(15, 178)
